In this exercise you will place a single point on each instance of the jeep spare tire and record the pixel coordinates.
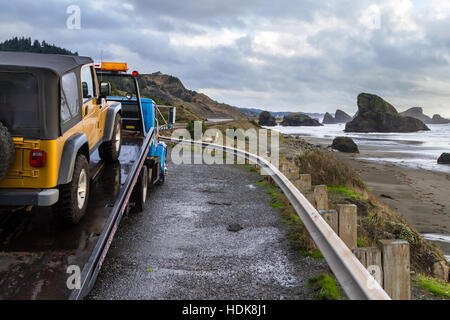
(6, 151)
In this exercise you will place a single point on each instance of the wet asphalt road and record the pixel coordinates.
(180, 248)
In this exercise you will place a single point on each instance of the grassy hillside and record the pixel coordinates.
(167, 88)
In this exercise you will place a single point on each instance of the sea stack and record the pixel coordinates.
(417, 113)
(328, 119)
(299, 120)
(437, 119)
(341, 117)
(267, 119)
(376, 115)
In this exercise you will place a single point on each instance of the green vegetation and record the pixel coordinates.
(325, 287)
(256, 124)
(346, 191)
(326, 169)
(376, 220)
(313, 253)
(297, 234)
(435, 286)
(382, 222)
(26, 45)
(276, 195)
(360, 243)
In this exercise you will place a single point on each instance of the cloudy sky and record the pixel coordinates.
(311, 56)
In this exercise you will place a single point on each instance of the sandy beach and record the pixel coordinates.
(422, 196)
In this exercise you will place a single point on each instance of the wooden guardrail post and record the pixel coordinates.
(370, 258)
(284, 168)
(331, 217)
(293, 173)
(396, 268)
(348, 224)
(321, 197)
(303, 183)
(441, 270)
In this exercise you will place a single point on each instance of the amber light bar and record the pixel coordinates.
(112, 66)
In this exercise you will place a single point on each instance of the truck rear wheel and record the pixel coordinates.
(140, 191)
(109, 151)
(6, 151)
(73, 197)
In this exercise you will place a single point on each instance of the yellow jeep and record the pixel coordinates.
(53, 116)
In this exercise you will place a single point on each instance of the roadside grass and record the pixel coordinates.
(360, 243)
(324, 168)
(435, 286)
(297, 234)
(275, 200)
(325, 287)
(376, 220)
(347, 192)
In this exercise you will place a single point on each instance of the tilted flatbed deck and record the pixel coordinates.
(36, 251)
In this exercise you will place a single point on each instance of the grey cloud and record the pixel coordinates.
(350, 58)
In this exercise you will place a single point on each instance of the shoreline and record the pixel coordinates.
(420, 195)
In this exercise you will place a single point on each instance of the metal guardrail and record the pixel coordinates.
(354, 278)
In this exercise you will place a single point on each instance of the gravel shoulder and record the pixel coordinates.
(180, 248)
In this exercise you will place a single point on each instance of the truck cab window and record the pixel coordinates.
(87, 82)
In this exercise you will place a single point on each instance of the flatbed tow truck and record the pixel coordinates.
(39, 258)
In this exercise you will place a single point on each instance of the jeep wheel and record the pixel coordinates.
(73, 197)
(6, 151)
(139, 195)
(109, 151)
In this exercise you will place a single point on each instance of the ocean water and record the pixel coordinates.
(417, 149)
(442, 240)
(219, 120)
(414, 150)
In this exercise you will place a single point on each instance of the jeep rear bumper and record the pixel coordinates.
(28, 197)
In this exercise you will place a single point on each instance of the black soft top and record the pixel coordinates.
(56, 63)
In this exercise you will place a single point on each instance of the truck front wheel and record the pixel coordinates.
(73, 197)
(139, 194)
(109, 151)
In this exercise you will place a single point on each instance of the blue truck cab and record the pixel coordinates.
(131, 119)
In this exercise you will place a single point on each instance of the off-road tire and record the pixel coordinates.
(108, 150)
(140, 191)
(67, 207)
(7, 151)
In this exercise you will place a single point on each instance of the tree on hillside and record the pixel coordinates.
(26, 45)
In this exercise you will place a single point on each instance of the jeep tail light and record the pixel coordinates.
(37, 158)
